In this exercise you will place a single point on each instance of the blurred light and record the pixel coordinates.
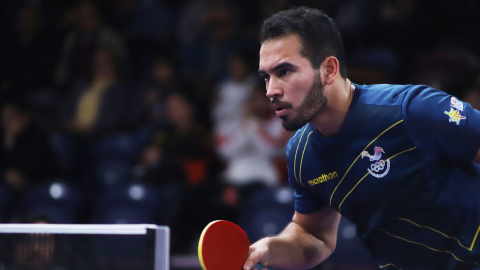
(349, 232)
(284, 195)
(269, 228)
(56, 191)
(136, 192)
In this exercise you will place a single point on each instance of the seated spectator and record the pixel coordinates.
(148, 106)
(204, 61)
(82, 42)
(96, 107)
(232, 94)
(93, 110)
(184, 141)
(187, 145)
(156, 168)
(26, 157)
(251, 150)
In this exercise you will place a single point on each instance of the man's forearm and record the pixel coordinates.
(295, 248)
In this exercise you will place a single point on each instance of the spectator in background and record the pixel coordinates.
(156, 168)
(252, 149)
(185, 141)
(96, 107)
(27, 55)
(148, 106)
(81, 43)
(93, 110)
(205, 60)
(232, 94)
(26, 157)
(187, 145)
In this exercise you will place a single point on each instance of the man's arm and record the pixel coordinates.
(306, 241)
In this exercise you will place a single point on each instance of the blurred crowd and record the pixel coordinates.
(165, 93)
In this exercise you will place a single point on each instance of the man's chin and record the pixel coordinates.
(291, 125)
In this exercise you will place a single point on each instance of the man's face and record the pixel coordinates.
(294, 88)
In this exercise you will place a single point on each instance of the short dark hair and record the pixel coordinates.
(318, 33)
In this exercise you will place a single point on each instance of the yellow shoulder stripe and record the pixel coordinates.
(295, 160)
(305, 147)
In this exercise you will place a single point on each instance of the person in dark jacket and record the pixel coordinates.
(26, 156)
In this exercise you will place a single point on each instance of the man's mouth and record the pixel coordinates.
(279, 106)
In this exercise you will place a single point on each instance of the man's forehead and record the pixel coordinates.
(278, 50)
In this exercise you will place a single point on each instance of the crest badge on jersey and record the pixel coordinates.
(380, 167)
(455, 116)
(454, 113)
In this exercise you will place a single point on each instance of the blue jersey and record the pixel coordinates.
(400, 169)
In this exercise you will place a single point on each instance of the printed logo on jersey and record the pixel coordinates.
(380, 167)
(323, 178)
(457, 104)
(455, 116)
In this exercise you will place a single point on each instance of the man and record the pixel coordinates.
(396, 160)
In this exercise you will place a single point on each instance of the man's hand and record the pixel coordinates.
(307, 241)
(258, 254)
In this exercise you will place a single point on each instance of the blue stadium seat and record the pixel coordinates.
(110, 172)
(267, 211)
(121, 146)
(58, 201)
(129, 204)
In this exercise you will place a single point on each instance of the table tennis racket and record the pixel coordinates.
(223, 246)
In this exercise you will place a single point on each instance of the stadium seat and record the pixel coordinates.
(121, 146)
(110, 172)
(128, 204)
(58, 201)
(125, 204)
(267, 211)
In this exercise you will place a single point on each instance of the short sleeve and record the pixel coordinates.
(306, 202)
(441, 124)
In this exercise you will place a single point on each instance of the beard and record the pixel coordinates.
(311, 105)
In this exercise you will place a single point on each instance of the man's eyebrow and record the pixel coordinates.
(277, 67)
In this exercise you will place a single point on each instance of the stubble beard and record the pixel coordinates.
(312, 104)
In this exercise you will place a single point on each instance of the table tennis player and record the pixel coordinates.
(400, 161)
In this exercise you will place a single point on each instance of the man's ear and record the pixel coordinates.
(330, 70)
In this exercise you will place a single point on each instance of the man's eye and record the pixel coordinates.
(284, 72)
(266, 77)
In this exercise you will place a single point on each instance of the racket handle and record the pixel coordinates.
(260, 267)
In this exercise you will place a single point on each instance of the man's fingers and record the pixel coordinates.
(252, 260)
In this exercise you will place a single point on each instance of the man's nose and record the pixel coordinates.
(274, 89)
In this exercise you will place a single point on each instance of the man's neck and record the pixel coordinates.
(330, 119)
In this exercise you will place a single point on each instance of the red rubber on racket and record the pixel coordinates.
(223, 245)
